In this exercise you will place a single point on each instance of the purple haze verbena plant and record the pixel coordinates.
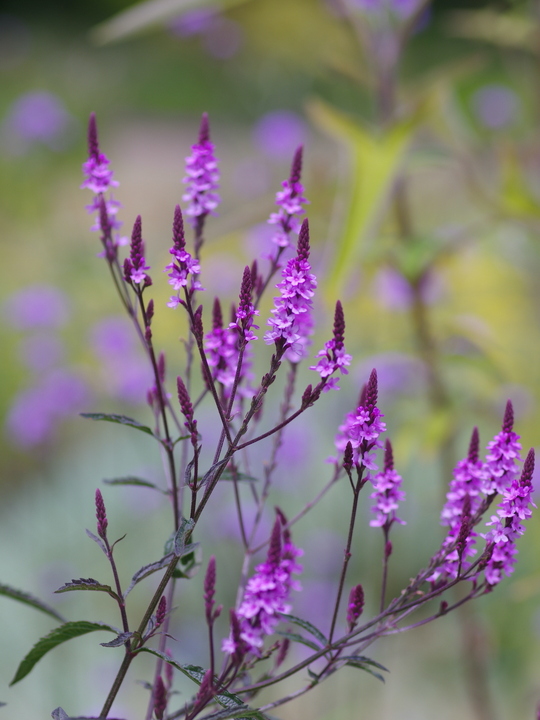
(255, 654)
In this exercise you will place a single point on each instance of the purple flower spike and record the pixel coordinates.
(387, 493)
(202, 177)
(209, 592)
(265, 595)
(292, 323)
(469, 478)
(289, 200)
(96, 168)
(503, 454)
(99, 179)
(356, 605)
(161, 611)
(187, 410)
(333, 356)
(160, 698)
(246, 310)
(101, 515)
(184, 264)
(514, 508)
(362, 428)
(135, 266)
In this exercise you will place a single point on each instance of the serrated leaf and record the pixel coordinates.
(362, 666)
(240, 476)
(119, 640)
(364, 660)
(147, 570)
(59, 714)
(197, 673)
(131, 480)
(240, 713)
(120, 420)
(59, 635)
(311, 629)
(298, 638)
(28, 599)
(87, 584)
(97, 540)
(179, 539)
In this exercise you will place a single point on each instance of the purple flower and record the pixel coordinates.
(202, 177)
(266, 594)
(387, 493)
(223, 353)
(355, 606)
(291, 322)
(502, 457)
(363, 427)
(470, 476)
(506, 524)
(135, 266)
(246, 310)
(184, 264)
(290, 201)
(333, 356)
(99, 179)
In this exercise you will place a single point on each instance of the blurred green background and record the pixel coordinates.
(422, 166)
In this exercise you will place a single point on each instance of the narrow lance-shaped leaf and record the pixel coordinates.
(87, 584)
(130, 480)
(119, 640)
(307, 626)
(375, 163)
(120, 420)
(197, 673)
(299, 639)
(28, 599)
(59, 635)
(147, 570)
(180, 536)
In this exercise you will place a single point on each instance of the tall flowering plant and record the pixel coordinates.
(255, 650)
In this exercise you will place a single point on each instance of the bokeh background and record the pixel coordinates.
(422, 166)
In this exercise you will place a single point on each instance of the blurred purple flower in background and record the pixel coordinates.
(36, 306)
(41, 351)
(221, 37)
(37, 117)
(393, 291)
(35, 412)
(126, 374)
(278, 134)
(495, 106)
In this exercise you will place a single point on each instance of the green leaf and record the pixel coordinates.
(362, 666)
(147, 570)
(376, 160)
(59, 635)
(28, 599)
(298, 638)
(119, 419)
(197, 673)
(364, 660)
(149, 14)
(186, 526)
(87, 584)
(239, 476)
(190, 563)
(130, 480)
(311, 629)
